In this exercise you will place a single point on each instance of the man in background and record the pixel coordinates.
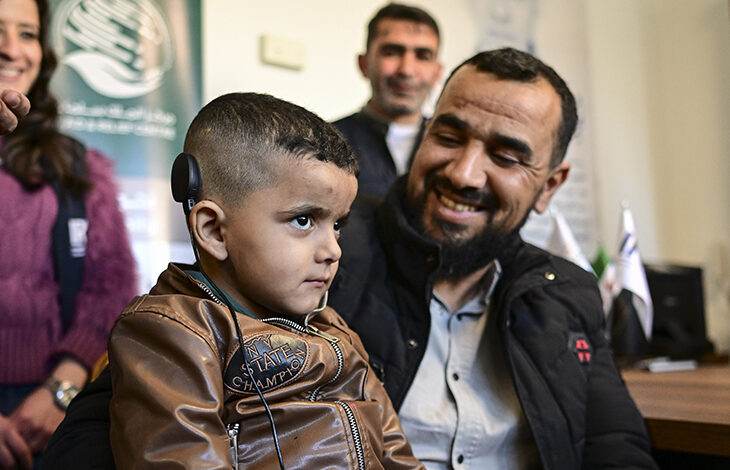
(401, 63)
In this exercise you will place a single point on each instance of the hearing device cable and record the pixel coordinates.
(186, 183)
(224, 299)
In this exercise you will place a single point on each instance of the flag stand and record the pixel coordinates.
(627, 337)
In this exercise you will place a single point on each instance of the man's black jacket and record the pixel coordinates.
(366, 135)
(550, 317)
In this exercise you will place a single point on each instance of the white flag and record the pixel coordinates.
(563, 243)
(630, 273)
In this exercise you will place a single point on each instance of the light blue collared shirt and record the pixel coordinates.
(462, 411)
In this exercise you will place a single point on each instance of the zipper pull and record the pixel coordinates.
(233, 437)
(317, 332)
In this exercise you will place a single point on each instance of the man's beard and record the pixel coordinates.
(460, 258)
(463, 256)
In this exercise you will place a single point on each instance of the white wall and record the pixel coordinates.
(661, 89)
(621, 116)
(333, 33)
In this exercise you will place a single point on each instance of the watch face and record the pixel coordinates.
(63, 392)
(64, 397)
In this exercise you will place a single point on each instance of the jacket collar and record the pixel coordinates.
(202, 280)
(413, 256)
(373, 121)
(173, 280)
(187, 279)
(382, 125)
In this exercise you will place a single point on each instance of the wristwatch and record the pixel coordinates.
(63, 391)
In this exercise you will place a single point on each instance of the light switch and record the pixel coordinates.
(284, 52)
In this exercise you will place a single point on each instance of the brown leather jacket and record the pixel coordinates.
(181, 395)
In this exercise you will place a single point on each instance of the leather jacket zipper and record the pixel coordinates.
(232, 430)
(313, 330)
(210, 293)
(340, 364)
(356, 437)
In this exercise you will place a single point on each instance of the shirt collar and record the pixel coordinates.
(479, 303)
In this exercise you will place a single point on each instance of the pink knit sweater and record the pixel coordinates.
(31, 336)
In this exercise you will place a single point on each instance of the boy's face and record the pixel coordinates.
(282, 240)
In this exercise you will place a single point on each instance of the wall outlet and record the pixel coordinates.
(284, 52)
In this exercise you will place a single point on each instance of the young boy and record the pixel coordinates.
(193, 381)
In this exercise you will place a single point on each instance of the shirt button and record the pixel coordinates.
(460, 459)
(412, 343)
(456, 377)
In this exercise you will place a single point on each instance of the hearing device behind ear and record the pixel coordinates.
(186, 182)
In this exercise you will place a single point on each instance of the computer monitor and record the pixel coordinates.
(679, 311)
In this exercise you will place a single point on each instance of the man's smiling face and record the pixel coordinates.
(485, 159)
(402, 66)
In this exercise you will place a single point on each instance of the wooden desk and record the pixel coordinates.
(686, 411)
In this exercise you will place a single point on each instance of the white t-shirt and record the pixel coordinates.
(400, 140)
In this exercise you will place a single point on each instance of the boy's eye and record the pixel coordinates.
(302, 222)
(340, 223)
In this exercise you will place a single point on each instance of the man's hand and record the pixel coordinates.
(13, 106)
(36, 418)
(14, 452)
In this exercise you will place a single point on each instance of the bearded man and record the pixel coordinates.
(492, 350)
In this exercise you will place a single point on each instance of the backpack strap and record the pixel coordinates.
(69, 239)
(69, 249)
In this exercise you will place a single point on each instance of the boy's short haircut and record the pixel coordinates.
(239, 138)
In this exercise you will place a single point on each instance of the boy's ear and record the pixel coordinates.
(206, 220)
